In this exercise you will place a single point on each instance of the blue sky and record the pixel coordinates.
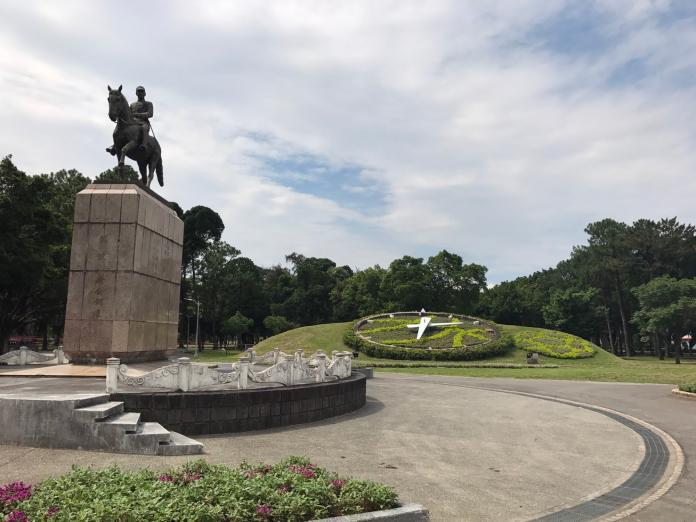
(364, 131)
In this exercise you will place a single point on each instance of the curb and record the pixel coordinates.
(405, 513)
(680, 393)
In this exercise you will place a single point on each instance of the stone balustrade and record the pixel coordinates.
(24, 356)
(185, 375)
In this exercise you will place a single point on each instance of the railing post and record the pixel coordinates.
(321, 367)
(184, 374)
(60, 356)
(291, 370)
(243, 381)
(23, 355)
(112, 364)
(276, 354)
(253, 356)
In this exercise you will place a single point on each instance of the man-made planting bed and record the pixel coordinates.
(386, 336)
(293, 490)
(391, 330)
(554, 344)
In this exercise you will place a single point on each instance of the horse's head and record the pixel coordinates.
(118, 106)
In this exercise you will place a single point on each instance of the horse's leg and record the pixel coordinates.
(151, 166)
(142, 166)
(125, 150)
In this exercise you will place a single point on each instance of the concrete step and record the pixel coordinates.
(179, 444)
(151, 430)
(146, 439)
(127, 421)
(99, 411)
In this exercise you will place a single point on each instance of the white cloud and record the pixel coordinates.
(483, 138)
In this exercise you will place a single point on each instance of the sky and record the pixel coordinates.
(365, 131)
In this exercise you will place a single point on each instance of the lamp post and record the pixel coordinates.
(198, 309)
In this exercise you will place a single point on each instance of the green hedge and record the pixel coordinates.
(691, 388)
(470, 353)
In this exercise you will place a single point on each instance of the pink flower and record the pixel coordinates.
(17, 516)
(14, 492)
(263, 510)
(337, 484)
(304, 471)
(52, 511)
(166, 478)
(283, 489)
(190, 477)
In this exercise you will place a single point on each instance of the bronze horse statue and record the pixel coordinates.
(128, 139)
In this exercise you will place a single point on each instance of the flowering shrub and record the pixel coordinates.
(554, 344)
(14, 492)
(294, 489)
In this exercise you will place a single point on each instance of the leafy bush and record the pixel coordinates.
(465, 353)
(691, 388)
(293, 490)
(554, 344)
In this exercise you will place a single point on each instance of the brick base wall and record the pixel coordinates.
(231, 411)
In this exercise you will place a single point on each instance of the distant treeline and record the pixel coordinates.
(629, 283)
(630, 288)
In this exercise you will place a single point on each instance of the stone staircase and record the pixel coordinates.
(120, 432)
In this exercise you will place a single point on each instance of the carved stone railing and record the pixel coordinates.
(24, 356)
(181, 375)
(187, 376)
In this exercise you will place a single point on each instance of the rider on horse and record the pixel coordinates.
(142, 111)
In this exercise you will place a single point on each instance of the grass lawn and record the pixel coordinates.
(602, 367)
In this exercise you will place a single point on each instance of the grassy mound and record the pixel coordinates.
(294, 489)
(603, 366)
(555, 344)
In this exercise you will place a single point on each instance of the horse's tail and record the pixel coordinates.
(160, 172)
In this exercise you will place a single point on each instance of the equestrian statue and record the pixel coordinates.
(132, 134)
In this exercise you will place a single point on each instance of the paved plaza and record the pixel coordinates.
(466, 452)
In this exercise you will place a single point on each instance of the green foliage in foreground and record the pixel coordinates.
(555, 344)
(293, 490)
(691, 388)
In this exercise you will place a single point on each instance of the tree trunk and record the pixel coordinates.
(44, 332)
(678, 352)
(624, 323)
(611, 338)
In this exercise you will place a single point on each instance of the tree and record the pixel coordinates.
(405, 285)
(454, 286)
(124, 174)
(358, 295)
(667, 308)
(214, 282)
(30, 235)
(236, 326)
(608, 245)
(310, 301)
(202, 226)
(277, 324)
(574, 310)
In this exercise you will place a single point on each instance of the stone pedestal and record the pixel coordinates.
(125, 273)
